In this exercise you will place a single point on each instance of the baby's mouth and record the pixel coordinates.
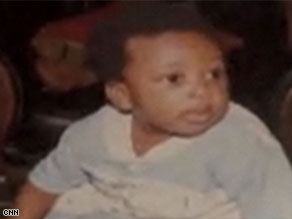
(198, 116)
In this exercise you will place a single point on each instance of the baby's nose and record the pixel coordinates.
(199, 91)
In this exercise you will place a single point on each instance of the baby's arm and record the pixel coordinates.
(227, 210)
(219, 206)
(260, 180)
(32, 202)
(57, 173)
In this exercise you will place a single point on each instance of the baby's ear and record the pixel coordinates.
(118, 94)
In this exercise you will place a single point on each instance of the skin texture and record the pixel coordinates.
(32, 202)
(174, 84)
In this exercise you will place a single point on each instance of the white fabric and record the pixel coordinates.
(238, 156)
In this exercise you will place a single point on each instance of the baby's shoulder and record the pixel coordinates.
(241, 120)
(243, 128)
(88, 134)
(93, 124)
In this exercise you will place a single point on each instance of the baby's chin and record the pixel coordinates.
(192, 133)
(197, 129)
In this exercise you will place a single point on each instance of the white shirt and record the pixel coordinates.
(237, 155)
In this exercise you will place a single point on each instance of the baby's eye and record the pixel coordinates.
(175, 78)
(214, 74)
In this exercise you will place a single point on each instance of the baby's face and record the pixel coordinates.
(176, 81)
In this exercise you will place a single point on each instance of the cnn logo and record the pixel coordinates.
(11, 212)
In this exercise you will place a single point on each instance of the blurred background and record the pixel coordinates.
(45, 86)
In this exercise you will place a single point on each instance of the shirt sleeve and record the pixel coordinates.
(258, 176)
(60, 170)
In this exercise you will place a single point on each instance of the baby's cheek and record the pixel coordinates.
(163, 99)
(164, 108)
(220, 105)
(220, 93)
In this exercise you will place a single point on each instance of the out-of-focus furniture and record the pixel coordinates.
(59, 49)
(10, 108)
(65, 90)
(10, 99)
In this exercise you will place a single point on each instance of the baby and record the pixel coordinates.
(170, 141)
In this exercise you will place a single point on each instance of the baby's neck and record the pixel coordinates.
(145, 138)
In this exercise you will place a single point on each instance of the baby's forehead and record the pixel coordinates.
(181, 51)
(166, 35)
(173, 44)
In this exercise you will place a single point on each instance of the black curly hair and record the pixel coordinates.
(105, 50)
